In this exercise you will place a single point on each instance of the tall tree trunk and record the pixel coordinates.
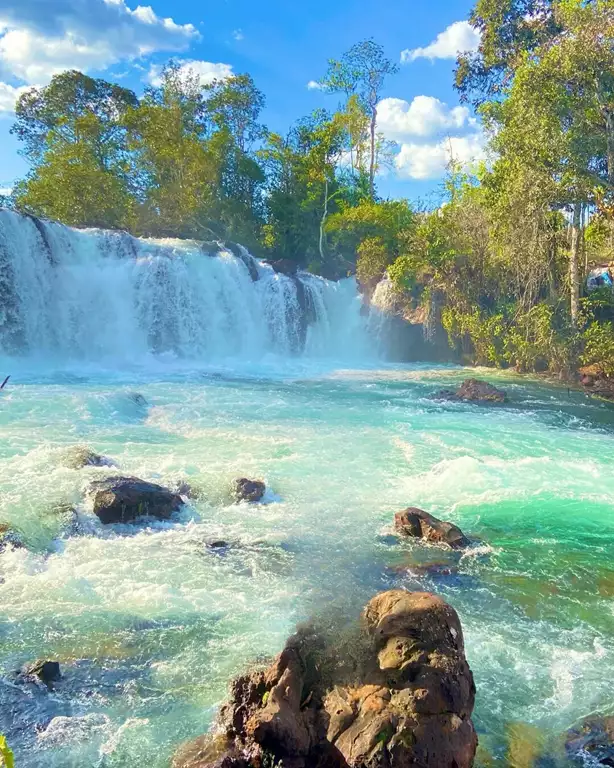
(609, 128)
(372, 163)
(574, 280)
(323, 220)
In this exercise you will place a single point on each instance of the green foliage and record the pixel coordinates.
(6, 756)
(598, 341)
(389, 221)
(484, 331)
(71, 186)
(533, 342)
(373, 258)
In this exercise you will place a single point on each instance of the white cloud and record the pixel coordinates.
(8, 96)
(459, 37)
(424, 116)
(429, 161)
(41, 38)
(206, 70)
(5, 191)
(238, 35)
(313, 85)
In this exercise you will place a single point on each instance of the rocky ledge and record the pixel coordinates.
(398, 692)
(474, 391)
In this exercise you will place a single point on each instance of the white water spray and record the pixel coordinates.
(100, 295)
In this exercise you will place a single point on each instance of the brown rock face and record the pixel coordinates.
(416, 523)
(475, 391)
(403, 700)
(248, 490)
(124, 499)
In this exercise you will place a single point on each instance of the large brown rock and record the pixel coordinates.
(124, 499)
(417, 523)
(475, 391)
(593, 739)
(400, 693)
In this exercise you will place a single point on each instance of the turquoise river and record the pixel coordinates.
(149, 624)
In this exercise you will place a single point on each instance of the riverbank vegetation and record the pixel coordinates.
(500, 264)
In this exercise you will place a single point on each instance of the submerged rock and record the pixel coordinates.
(138, 399)
(401, 695)
(48, 672)
(81, 456)
(416, 523)
(475, 391)
(248, 490)
(593, 738)
(124, 499)
(9, 538)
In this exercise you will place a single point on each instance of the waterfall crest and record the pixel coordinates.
(101, 295)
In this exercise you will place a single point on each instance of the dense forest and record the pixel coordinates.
(501, 264)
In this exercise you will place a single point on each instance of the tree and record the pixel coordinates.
(69, 185)
(235, 104)
(74, 136)
(362, 71)
(58, 110)
(508, 30)
(552, 129)
(303, 188)
(232, 109)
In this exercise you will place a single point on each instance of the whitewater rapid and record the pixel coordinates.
(97, 295)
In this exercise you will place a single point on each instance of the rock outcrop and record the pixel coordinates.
(248, 490)
(399, 694)
(593, 739)
(474, 391)
(124, 499)
(415, 523)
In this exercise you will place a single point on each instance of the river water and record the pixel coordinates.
(149, 622)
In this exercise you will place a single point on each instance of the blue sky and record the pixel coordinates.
(284, 45)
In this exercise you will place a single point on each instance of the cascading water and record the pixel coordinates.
(101, 295)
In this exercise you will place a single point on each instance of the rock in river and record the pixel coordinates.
(48, 672)
(474, 391)
(9, 538)
(81, 456)
(248, 490)
(400, 694)
(124, 499)
(593, 740)
(416, 523)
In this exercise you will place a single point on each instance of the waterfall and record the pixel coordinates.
(100, 295)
